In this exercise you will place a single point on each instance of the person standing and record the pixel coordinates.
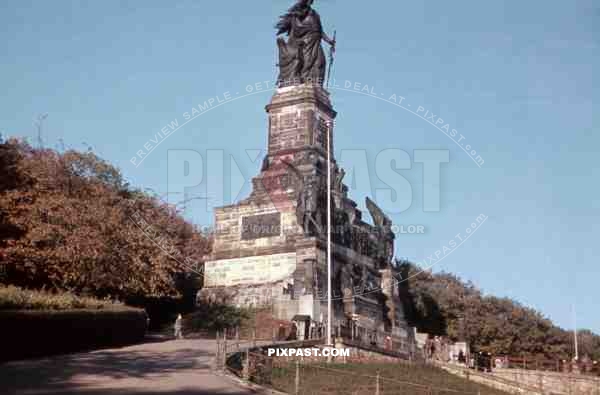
(461, 357)
(178, 327)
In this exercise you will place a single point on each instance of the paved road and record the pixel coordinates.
(180, 367)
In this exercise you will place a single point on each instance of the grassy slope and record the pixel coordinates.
(360, 379)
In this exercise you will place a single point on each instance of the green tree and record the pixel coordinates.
(442, 304)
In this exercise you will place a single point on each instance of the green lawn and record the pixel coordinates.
(359, 379)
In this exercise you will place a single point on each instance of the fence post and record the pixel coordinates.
(297, 381)
(224, 348)
(570, 386)
(218, 356)
(246, 366)
(377, 385)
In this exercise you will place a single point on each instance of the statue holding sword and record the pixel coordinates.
(301, 57)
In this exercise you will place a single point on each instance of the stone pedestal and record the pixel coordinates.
(270, 249)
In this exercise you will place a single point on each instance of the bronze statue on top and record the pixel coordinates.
(301, 58)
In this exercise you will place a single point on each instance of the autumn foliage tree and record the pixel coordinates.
(68, 221)
(442, 304)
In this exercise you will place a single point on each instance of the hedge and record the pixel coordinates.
(33, 333)
(17, 298)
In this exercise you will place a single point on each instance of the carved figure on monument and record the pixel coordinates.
(342, 231)
(307, 210)
(358, 275)
(339, 178)
(358, 236)
(301, 58)
(380, 220)
(384, 236)
(317, 279)
(347, 282)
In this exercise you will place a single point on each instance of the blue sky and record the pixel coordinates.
(514, 78)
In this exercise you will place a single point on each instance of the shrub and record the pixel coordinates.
(40, 323)
(215, 317)
(15, 298)
(35, 333)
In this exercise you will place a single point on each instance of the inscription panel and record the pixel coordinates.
(261, 225)
(250, 270)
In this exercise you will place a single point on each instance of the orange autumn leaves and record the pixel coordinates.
(66, 224)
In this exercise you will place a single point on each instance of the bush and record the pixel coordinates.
(215, 317)
(40, 323)
(31, 333)
(161, 310)
(15, 298)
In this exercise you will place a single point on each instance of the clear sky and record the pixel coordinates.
(514, 78)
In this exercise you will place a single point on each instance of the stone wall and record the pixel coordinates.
(560, 383)
(509, 386)
(233, 237)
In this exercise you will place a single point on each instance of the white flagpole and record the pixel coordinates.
(575, 334)
(329, 312)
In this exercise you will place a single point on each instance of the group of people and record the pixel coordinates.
(317, 330)
(482, 362)
(437, 348)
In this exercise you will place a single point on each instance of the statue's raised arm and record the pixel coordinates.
(301, 57)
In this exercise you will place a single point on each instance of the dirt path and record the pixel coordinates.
(181, 367)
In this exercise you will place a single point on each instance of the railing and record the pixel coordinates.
(541, 363)
(298, 377)
(303, 378)
(233, 341)
(369, 338)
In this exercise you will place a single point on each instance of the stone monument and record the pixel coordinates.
(270, 248)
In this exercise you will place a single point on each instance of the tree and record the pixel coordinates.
(70, 222)
(442, 304)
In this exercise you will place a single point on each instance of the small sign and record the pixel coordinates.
(262, 225)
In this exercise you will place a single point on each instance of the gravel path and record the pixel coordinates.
(181, 367)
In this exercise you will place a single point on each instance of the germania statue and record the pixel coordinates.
(301, 58)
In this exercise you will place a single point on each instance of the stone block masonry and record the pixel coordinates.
(270, 249)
